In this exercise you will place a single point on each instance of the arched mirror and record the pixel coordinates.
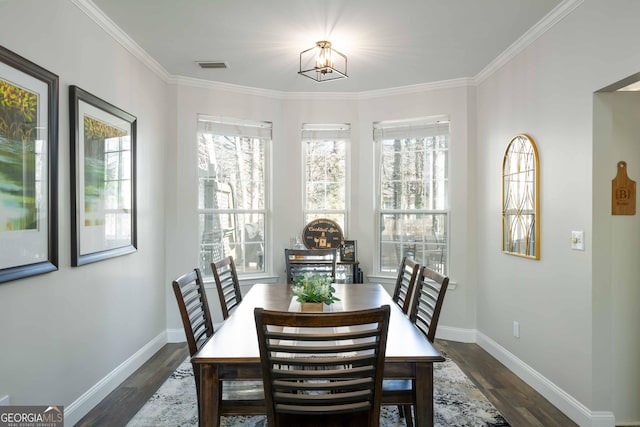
(520, 198)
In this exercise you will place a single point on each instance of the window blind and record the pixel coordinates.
(319, 132)
(404, 129)
(234, 127)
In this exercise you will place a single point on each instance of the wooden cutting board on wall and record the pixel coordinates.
(623, 192)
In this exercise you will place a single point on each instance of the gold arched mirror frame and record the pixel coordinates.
(521, 198)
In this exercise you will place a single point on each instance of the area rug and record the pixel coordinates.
(457, 402)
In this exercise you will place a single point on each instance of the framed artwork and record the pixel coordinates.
(103, 177)
(28, 168)
(348, 251)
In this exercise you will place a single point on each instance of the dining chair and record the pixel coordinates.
(322, 369)
(318, 261)
(431, 288)
(407, 275)
(228, 285)
(426, 304)
(198, 327)
(194, 311)
(402, 294)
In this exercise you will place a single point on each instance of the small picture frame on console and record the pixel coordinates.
(348, 251)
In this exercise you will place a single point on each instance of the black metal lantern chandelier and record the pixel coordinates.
(323, 63)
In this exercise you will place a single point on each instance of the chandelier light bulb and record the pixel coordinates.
(324, 57)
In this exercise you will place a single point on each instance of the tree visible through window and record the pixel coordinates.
(413, 192)
(325, 172)
(232, 171)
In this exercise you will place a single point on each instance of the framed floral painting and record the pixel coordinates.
(28, 168)
(103, 177)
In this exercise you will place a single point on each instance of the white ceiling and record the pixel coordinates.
(389, 44)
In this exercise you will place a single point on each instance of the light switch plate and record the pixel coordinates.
(577, 240)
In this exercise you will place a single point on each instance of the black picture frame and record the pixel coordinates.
(348, 251)
(103, 177)
(28, 168)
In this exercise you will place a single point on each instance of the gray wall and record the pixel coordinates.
(616, 293)
(568, 302)
(63, 332)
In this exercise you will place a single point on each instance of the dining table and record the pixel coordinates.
(232, 353)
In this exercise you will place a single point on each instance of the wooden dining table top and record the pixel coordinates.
(236, 341)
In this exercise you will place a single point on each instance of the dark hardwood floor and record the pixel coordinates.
(520, 404)
(125, 401)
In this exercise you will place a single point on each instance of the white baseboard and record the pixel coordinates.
(176, 335)
(456, 334)
(4, 401)
(81, 406)
(566, 403)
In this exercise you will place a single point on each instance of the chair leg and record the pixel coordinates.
(196, 377)
(405, 411)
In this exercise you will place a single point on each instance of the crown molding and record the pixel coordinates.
(544, 25)
(112, 29)
(321, 96)
(229, 87)
(423, 87)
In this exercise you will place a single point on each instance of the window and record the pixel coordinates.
(232, 192)
(325, 152)
(412, 205)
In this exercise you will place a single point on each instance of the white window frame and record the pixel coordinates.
(327, 132)
(402, 129)
(242, 128)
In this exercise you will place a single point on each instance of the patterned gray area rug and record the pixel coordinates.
(457, 402)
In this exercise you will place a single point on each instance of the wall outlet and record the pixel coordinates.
(516, 329)
(4, 400)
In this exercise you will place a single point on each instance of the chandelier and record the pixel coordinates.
(323, 63)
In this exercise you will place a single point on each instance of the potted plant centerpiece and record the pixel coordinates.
(312, 291)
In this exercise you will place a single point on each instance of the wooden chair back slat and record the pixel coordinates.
(194, 311)
(322, 368)
(318, 261)
(227, 284)
(407, 275)
(194, 308)
(431, 288)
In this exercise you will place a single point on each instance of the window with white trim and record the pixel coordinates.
(413, 192)
(233, 162)
(325, 158)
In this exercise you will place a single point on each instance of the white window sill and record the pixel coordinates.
(387, 280)
(245, 281)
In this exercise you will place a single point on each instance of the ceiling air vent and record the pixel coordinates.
(213, 64)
